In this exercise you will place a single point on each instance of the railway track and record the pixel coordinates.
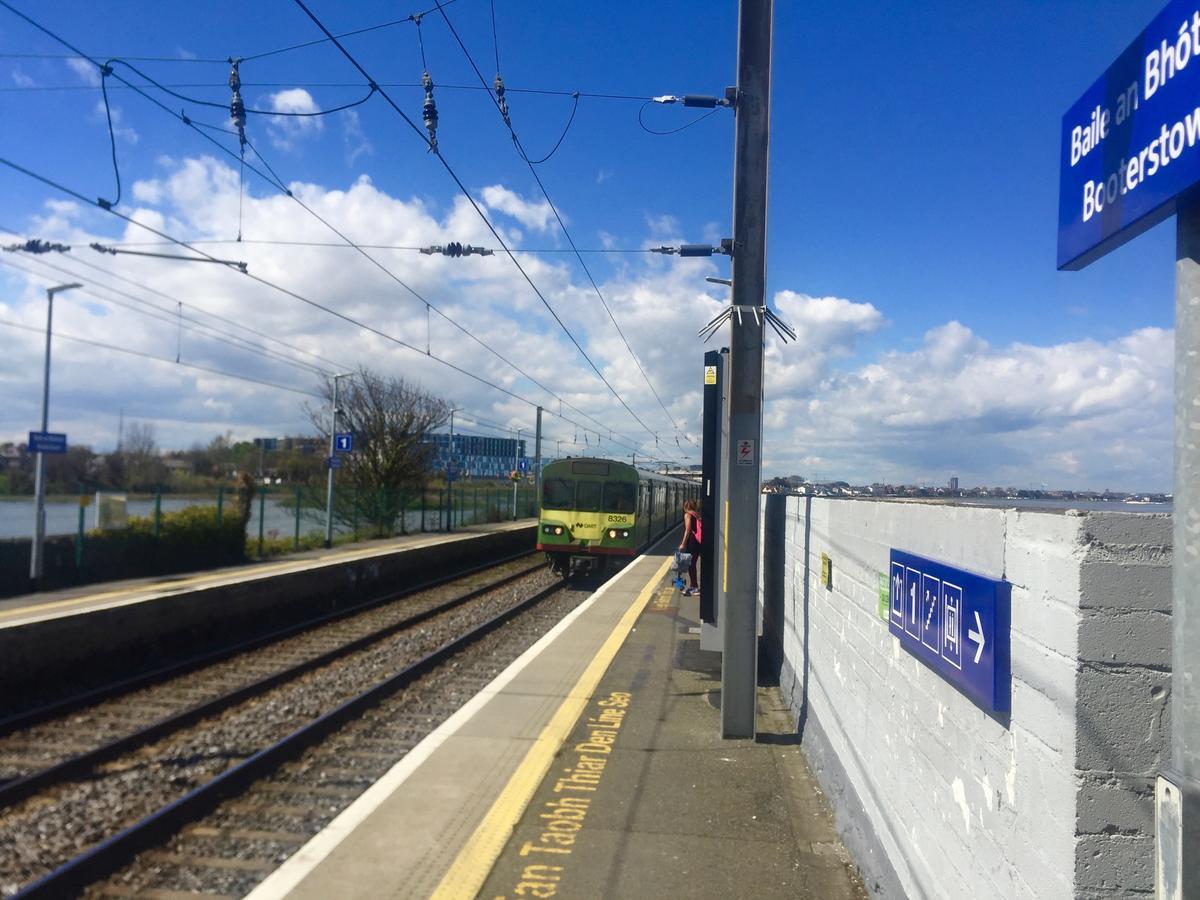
(68, 824)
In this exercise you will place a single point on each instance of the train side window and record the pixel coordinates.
(587, 496)
(619, 496)
(558, 493)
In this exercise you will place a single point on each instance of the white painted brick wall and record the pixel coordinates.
(1056, 804)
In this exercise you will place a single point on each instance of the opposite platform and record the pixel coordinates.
(592, 767)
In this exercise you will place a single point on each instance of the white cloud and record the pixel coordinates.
(87, 72)
(537, 216)
(122, 131)
(1085, 413)
(20, 79)
(353, 138)
(286, 131)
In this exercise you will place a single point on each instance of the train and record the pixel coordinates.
(594, 510)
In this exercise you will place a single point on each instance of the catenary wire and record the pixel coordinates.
(170, 317)
(288, 292)
(548, 92)
(164, 359)
(343, 246)
(562, 225)
(462, 187)
(278, 183)
(238, 325)
(687, 125)
(602, 429)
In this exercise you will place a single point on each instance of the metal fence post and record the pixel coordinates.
(220, 502)
(79, 533)
(262, 505)
(296, 538)
(157, 511)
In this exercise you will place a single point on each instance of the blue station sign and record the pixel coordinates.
(47, 442)
(343, 442)
(1131, 143)
(956, 622)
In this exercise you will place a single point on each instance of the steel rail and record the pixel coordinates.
(111, 854)
(71, 704)
(81, 765)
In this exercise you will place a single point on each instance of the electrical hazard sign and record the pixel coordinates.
(745, 453)
(710, 374)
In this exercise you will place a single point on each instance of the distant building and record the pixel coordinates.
(953, 483)
(476, 456)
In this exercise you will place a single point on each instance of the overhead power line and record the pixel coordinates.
(412, 247)
(462, 187)
(131, 352)
(315, 304)
(415, 85)
(240, 326)
(174, 318)
(501, 108)
(275, 181)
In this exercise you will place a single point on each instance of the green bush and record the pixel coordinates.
(188, 540)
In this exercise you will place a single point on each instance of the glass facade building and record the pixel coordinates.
(477, 456)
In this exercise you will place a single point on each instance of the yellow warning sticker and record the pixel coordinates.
(710, 374)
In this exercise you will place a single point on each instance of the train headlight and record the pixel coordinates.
(612, 533)
(558, 529)
(624, 534)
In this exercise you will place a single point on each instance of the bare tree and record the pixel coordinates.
(390, 419)
(144, 467)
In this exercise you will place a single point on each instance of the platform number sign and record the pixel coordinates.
(343, 442)
(956, 622)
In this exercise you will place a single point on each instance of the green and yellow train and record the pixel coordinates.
(594, 509)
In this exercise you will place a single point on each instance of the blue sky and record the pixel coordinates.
(914, 185)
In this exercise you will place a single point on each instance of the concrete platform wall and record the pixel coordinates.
(934, 797)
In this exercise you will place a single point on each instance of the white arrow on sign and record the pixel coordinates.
(976, 634)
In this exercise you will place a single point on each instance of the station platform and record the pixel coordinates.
(26, 608)
(591, 767)
(59, 644)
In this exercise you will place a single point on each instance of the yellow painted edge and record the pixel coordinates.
(725, 547)
(478, 855)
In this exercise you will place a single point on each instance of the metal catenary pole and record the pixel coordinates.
(329, 463)
(39, 482)
(740, 658)
(516, 471)
(537, 464)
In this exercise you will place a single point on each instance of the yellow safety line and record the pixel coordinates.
(475, 860)
(244, 573)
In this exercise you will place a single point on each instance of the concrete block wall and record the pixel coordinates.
(936, 798)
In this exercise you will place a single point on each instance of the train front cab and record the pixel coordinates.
(588, 513)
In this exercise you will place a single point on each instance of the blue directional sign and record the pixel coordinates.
(956, 622)
(1131, 143)
(334, 462)
(522, 464)
(343, 442)
(47, 442)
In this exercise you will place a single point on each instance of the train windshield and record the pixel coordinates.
(620, 497)
(587, 496)
(558, 493)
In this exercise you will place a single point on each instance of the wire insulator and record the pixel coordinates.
(500, 101)
(429, 111)
(237, 106)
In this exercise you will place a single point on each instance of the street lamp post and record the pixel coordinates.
(329, 463)
(39, 482)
